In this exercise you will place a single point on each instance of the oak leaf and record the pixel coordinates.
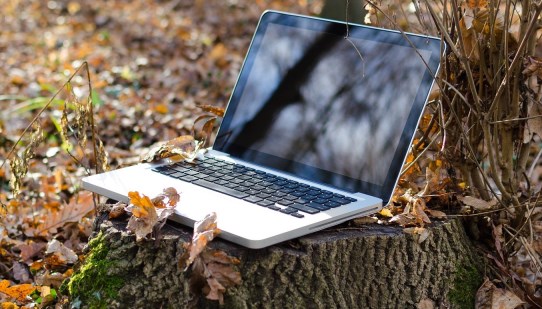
(150, 215)
(205, 231)
(184, 147)
(477, 203)
(491, 297)
(17, 292)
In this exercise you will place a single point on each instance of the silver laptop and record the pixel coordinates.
(315, 133)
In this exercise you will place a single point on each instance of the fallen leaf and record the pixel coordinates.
(9, 305)
(477, 203)
(21, 273)
(204, 231)
(117, 210)
(421, 233)
(62, 254)
(386, 212)
(491, 297)
(436, 214)
(183, 146)
(144, 215)
(215, 110)
(476, 4)
(17, 292)
(30, 250)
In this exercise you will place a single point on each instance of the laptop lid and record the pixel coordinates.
(333, 104)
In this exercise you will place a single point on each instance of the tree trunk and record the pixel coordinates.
(366, 266)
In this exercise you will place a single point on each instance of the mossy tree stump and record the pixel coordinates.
(370, 266)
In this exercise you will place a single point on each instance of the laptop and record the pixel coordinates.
(315, 133)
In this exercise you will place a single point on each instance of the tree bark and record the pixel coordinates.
(366, 266)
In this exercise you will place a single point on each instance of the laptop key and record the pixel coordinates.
(252, 199)
(265, 203)
(221, 189)
(285, 202)
(188, 178)
(274, 207)
(318, 206)
(297, 215)
(305, 208)
(332, 204)
(288, 210)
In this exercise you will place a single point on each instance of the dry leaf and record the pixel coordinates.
(204, 231)
(144, 215)
(477, 4)
(404, 220)
(491, 297)
(117, 210)
(30, 250)
(533, 66)
(477, 203)
(217, 269)
(9, 305)
(420, 232)
(215, 110)
(146, 218)
(184, 146)
(436, 214)
(21, 273)
(64, 254)
(17, 292)
(386, 212)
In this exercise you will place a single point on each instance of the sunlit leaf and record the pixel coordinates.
(215, 110)
(204, 231)
(477, 4)
(17, 292)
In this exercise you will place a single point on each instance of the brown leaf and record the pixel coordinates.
(30, 250)
(17, 292)
(404, 220)
(170, 194)
(144, 215)
(215, 110)
(63, 255)
(533, 66)
(420, 233)
(477, 4)
(204, 231)
(491, 297)
(419, 212)
(436, 214)
(477, 203)
(219, 273)
(117, 210)
(183, 146)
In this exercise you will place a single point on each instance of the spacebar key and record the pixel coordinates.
(219, 188)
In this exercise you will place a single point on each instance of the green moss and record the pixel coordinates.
(467, 281)
(92, 285)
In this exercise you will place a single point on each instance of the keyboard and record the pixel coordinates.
(255, 186)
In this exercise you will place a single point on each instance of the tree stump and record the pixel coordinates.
(367, 266)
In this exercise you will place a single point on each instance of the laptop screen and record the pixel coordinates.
(337, 111)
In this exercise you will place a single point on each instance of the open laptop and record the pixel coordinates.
(315, 133)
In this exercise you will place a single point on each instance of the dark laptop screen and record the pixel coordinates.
(340, 112)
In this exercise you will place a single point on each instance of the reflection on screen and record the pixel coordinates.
(311, 99)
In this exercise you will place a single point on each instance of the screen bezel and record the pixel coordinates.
(383, 191)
